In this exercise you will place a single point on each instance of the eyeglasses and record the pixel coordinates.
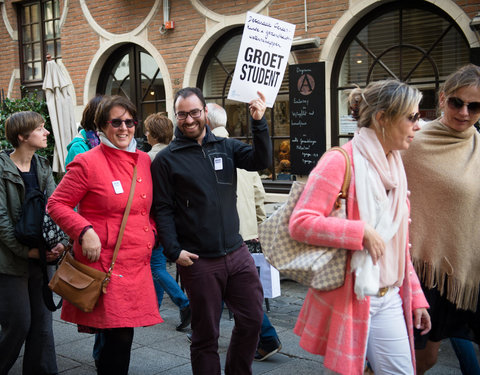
(414, 117)
(116, 122)
(194, 113)
(457, 103)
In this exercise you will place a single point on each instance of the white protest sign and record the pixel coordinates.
(262, 58)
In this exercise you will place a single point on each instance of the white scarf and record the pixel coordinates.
(132, 146)
(381, 190)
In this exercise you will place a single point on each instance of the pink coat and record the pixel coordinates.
(334, 324)
(130, 300)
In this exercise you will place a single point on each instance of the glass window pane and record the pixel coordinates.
(48, 29)
(37, 70)
(28, 72)
(27, 34)
(35, 13)
(57, 28)
(27, 53)
(59, 48)
(48, 9)
(35, 32)
(56, 7)
(26, 15)
(37, 51)
(51, 48)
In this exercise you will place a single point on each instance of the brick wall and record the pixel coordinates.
(80, 42)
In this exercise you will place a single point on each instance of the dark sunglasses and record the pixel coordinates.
(414, 117)
(457, 103)
(116, 122)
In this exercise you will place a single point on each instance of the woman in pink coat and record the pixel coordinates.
(350, 323)
(98, 183)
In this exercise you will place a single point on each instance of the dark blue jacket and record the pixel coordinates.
(194, 205)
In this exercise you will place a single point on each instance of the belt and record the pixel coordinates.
(383, 291)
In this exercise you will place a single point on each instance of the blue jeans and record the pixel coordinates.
(164, 282)
(466, 356)
(268, 331)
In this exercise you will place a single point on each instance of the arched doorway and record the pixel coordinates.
(132, 72)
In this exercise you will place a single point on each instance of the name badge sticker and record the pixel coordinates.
(117, 186)
(218, 163)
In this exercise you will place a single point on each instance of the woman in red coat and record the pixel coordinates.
(98, 183)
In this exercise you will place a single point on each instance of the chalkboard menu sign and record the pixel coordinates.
(307, 116)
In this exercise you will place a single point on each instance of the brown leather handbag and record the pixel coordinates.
(80, 284)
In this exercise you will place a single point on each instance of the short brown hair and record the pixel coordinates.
(102, 114)
(21, 123)
(160, 127)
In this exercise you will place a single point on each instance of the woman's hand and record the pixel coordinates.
(55, 252)
(91, 245)
(421, 320)
(258, 107)
(373, 243)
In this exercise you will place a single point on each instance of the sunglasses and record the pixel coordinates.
(457, 103)
(116, 122)
(414, 117)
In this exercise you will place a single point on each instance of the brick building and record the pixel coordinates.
(148, 49)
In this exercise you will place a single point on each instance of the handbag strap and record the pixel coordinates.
(343, 194)
(124, 221)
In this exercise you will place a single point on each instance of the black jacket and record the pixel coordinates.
(194, 204)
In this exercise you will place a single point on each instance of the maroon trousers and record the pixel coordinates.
(233, 279)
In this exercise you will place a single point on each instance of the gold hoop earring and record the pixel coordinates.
(383, 133)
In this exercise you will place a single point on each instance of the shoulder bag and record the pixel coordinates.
(318, 267)
(80, 284)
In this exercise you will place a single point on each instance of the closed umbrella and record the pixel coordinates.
(61, 110)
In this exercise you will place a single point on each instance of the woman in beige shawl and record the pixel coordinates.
(442, 166)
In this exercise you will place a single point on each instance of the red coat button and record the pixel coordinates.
(139, 179)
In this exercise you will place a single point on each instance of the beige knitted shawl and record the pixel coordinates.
(443, 169)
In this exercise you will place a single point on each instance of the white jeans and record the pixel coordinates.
(388, 348)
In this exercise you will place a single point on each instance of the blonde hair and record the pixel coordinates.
(468, 75)
(391, 97)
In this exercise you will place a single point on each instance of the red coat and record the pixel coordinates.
(130, 300)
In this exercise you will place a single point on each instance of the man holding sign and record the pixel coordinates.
(195, 211)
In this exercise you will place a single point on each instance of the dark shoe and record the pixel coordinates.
(189, 337)
(267, 348)
(185, 318)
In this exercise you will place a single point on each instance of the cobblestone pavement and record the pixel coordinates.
(162, 350)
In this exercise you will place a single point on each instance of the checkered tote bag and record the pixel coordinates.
(318, 267)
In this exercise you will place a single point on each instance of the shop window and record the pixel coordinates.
(39, 36)
(410, 41)
(215, 78)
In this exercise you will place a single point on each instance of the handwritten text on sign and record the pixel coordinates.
(262, 58)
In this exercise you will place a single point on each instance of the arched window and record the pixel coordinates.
(132, 72)
(414, 42)
(215, 78)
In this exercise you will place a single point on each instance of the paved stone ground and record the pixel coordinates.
(162, 350)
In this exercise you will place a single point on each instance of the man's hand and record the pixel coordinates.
(91, 245)
(186, 258)
(257, 107)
